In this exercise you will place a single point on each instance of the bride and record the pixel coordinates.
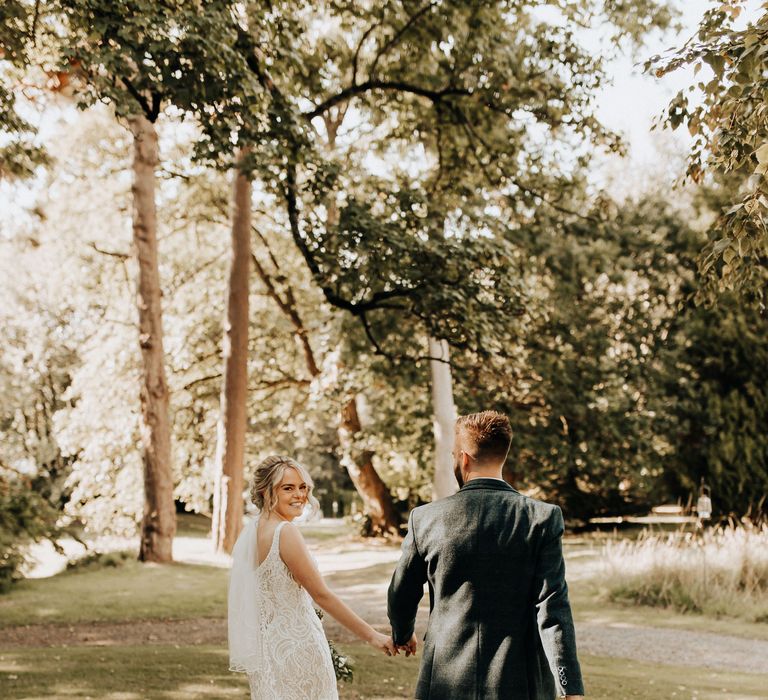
(275, 635)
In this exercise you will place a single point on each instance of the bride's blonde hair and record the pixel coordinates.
(268, 476)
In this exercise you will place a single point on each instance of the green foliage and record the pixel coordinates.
(137, 54)
(721, 405)
(25, 517)
(585, 391)
(420, 169)
(729, 119)
(100, 560)
(20, 23)
(621, 392)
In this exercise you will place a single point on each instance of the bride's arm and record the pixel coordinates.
(294, 552)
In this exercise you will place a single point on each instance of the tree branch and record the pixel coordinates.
(391, 85)
(289, 381)
(175, 285)
(288, 307)
(200, 380)
(138, 97)
(474, 136)
(33, 28)
(399, 35)
(113, 254)
(356, 57)
(156, 102)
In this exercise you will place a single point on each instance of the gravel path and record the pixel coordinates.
(674, 647)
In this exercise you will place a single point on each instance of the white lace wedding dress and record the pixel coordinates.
(296, 659)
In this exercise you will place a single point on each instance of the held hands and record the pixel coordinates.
(410, 646)
(383, 643)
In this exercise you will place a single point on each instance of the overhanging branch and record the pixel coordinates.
(387, 85)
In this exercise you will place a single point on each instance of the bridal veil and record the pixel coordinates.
(246, 637)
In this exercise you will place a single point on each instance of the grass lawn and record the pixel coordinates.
(167, 673)
(131, 591)
(119, 670)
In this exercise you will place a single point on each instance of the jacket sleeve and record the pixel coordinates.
(406, 588)
(554, 617)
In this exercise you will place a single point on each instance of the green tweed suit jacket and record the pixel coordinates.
(500, 624)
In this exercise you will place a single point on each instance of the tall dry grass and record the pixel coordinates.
(721, 572)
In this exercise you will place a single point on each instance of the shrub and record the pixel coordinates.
(100, 560)
(723, 571)
(25, 516)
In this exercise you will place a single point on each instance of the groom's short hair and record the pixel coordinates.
(486, 436)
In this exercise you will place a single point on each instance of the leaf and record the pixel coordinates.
(720, 246)
(762, 154)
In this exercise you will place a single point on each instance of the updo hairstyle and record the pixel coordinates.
(267, 478)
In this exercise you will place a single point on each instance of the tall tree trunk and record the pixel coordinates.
(377, 500)
(230, 443)
(444, 482)
(158, 525)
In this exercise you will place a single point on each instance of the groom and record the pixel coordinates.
(500, 625)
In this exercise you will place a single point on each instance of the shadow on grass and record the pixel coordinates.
(134, 591)
(193, 525)
(122, 673)
(193, 673)
(375, 574)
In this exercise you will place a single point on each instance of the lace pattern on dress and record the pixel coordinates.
(296, 659)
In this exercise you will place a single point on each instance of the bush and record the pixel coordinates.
(25, 516)
(723, 571)
(100, 560)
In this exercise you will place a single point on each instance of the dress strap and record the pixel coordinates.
(276, 536)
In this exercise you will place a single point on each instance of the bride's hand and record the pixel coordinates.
(383, 643)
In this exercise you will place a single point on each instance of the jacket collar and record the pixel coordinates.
(486, 483)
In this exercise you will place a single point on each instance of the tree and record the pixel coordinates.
(438, 78)
(415, 80)
(137, 56)
(20, 24)
(719, 408)
(586, 398)
(729, 120)
(159, 522)
(230, 440)
(443, 482)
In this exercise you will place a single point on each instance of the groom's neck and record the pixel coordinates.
(488, 473)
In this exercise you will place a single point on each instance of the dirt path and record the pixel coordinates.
(135, 633)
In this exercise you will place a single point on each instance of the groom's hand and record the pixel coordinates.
(410, 646)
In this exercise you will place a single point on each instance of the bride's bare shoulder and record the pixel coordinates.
(292, 541)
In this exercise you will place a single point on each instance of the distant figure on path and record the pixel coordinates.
(500, 624)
